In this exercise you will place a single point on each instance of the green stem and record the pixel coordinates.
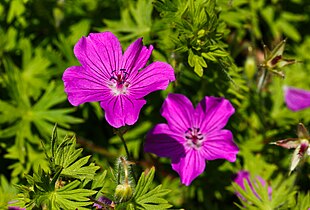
(125, 145)
(120, 134)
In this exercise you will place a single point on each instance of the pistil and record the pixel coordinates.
(194, 138)
(119, 83)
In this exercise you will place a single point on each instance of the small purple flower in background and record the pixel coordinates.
(104, 201)
(192, 135)
(296, 99)
(243, 176)
(117, 80)
(14, 207)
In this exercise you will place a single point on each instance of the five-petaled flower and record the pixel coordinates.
(192, 135)
(296, 99)
(119, 81)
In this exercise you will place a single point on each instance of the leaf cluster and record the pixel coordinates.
(282, 195)
(67, 185)
(146, 197)
(196, 31)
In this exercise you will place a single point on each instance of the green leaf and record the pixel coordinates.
(67, 156)
(144, 198)
(99, 180)
(197, 62)
(22, 116)
(135, 21)
(7, 192)
(60, 187)
(303, 201)
(17, 8)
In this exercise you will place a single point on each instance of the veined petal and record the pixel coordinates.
(82, 87)
(135, 57)
(190, 166)
(164, 143)
(219, 145)
(122, 110)
(178, 110)
(99, 54)
(213, 113)
(154, 77)
(296, 99)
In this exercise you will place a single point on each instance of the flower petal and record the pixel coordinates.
(295, 158)
(178, 110)
(213, 113)
(82, 87)
(154, 77)
(190, 166)
(219, 145)
(240, 177)
(296, 99)
(135, 57)
(164, 143)
(122, 110)
(99, 54)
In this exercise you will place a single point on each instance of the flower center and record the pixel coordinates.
(118, 82)
(194, 138)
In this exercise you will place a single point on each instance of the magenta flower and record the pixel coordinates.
(16, 208)
(119, 81)
(192, 135)
(244, 176)
(103, 200)
(296, 99)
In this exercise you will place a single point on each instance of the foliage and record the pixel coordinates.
(197, 31)
(63, 187)
(145, 197)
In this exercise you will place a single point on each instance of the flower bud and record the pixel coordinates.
(123, 192)
(250, 67)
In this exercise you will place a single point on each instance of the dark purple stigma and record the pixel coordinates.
(194, 137)
(119, 77)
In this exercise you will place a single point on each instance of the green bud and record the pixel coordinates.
(201, 33)
(123, 193)
(250, 67)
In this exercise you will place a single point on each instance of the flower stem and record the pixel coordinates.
(125, 145)
(121, 136)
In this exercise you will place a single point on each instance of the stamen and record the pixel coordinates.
(194, 138)
(119, 83)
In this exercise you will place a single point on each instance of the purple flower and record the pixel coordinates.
(296, 99)
(102, 200)
(192, 135)
(117, 80)
(16, 208)
(243, 176)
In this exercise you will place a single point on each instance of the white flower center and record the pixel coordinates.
(118, 82)
(194, 138)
